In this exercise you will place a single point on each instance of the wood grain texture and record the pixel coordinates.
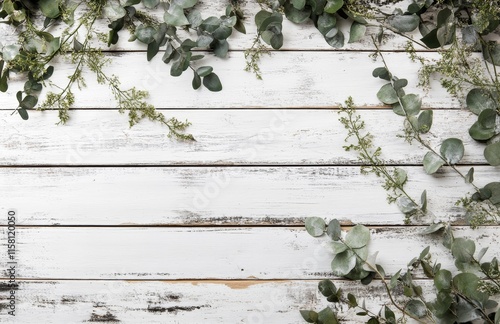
(211, 253)
(290, 79)
(251, 302)
(234, 137)
(207, 196)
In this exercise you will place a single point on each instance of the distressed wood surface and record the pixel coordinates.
(195, 196)
(290, 79)
(224, 137)
(143, 241)
(252, 302)
(212, 253)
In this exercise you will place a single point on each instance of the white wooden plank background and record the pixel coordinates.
(120, 224)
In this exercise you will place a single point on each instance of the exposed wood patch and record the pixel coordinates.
(108, 317)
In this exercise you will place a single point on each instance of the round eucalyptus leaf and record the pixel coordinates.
(23, 113)
(150, 4)
(411, 104)
(326, 22)
(466, 283)
(276, 41)
(479, 100)
(357, 237)
(185, 4)
(145, 34)
(417, 308)
(425, 121)
(295, 15)
(196, 81)
(400, 176)
(327, 288)
(343, 263)
(492, 154)
(463, 250)
(491, 52)
(50, 8)
(494, 189)
(470, 35)
(381, 72)
(334, 231)
(400, 84)
(452, 149)
(406, 206)
(298, 4)
(357, 32)
(315, 226)
(29, 102)
(203, 71)
(194, 18)
(112, 10)
(175, 16)
(338, 247)
(432, 162)
(222, 32)
(221, 48)
(309, 316)
(212, 82)
(332, 6)
(387, 94)
(327, 316)
(336, 41)
(481, 133)
(442, 279)
(404, 23)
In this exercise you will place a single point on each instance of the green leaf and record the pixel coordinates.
(463, 250)
(326, 22)
(185, 4)
(387, 94)
(309, 316)
(389, 315)
(358, 237)
(433, 228)
(404, 23)
(153, 49)
(49, 8)
(29, 102)
(194, 18)
(275, 19)
(327, 288)
(336, 41)
(327, 316)
(338, 247)
(295, 15)
(298, 4)
(343, 263)
(150, 3)
(212, 82)
(210, 24)
(425, 121)
(315, 226)
(175, 16)
(432, 162)
(332, 6)
(469, 177)
(452, 149)
(3, 83)
(277, 41)
(491, 52)
(481, 253)
(145, 34)
(492, 154)
(442, 280)
(494, 189)
(400, 176)
(423, 200)
(357, 32)
(394, 280)
(334, 231)
(196, 81)
(221, 48)
(23, 113)
(203, 71)
(479, 100)
(260, 17)
(417, 308)
(112, 10)
(406, 206)
(352, 300)
(467, 284)
(381, 72)
(411, 105)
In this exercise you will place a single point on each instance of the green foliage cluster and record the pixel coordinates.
(461, 295)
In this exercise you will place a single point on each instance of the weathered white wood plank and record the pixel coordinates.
(224, 137)
(220, 195)
(297, 37)
(290, 79)
(252, 302)
(210, 253)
